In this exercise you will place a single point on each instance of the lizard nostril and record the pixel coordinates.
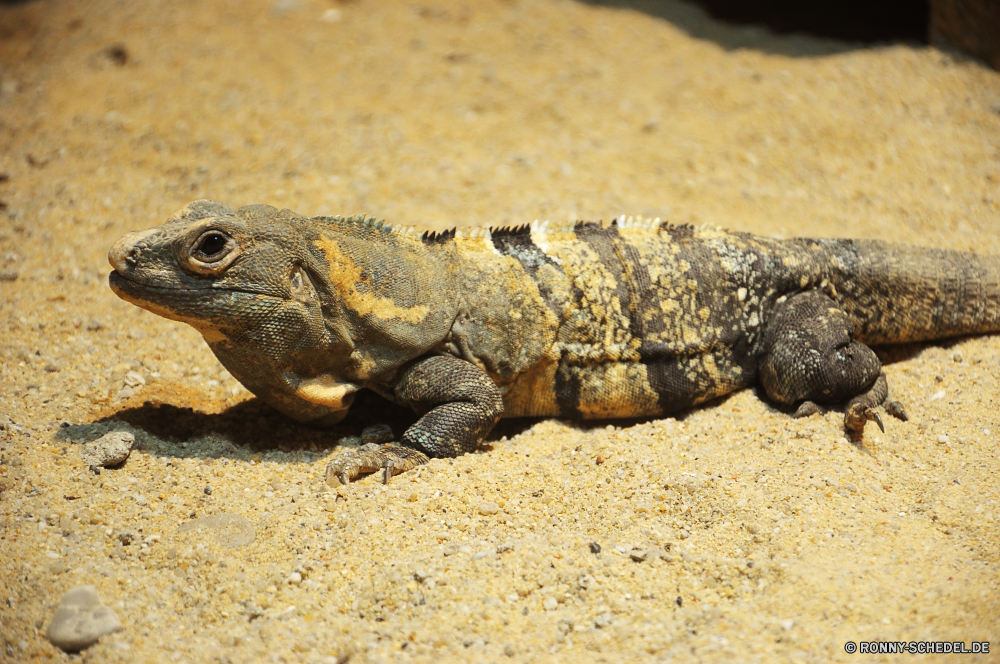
(127, 251)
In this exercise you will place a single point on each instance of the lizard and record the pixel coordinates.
(635, 319)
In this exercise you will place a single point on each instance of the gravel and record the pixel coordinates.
(477, 113)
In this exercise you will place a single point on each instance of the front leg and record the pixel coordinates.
(459, 403)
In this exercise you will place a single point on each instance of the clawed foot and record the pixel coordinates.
(391, 459)
(857, 415)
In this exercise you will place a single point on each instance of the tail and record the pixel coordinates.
(899, 293)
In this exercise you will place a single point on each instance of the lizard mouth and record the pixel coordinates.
(165, 301)
(129, 289)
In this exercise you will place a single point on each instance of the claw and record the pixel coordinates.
(873, 415)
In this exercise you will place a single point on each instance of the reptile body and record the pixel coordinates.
(636, 319)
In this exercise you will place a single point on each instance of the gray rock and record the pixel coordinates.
(377, 433)
(229, 530)
(81, 620)
(108, 450)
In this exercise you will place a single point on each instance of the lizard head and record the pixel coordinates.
(301, 311)
(247, 280)
(215, 268)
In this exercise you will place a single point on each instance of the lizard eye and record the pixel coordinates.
(211, 253)
(297, 280)
(212, 246)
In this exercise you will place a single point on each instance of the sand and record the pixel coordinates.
(728, 533)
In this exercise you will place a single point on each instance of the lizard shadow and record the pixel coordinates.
(252, 426)
(241, 430)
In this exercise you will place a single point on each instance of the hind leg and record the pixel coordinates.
(808, 356)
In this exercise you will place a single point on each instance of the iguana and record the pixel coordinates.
(636, 319)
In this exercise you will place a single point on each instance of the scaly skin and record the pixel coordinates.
(637, 319)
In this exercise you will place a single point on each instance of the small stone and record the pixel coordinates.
(413, 497)
(943, 438)
(505, 547)
(451, 550)
(508, 650)
(646, 555)
(595, 547)
(229, 530)
(208, 489)
(488, 509)
(378, 433)
(81, 620)
(110, 449)
(603, 620)
(93, 325)
(550, 604)
(8, 275)
(133, 380)
(127, 536)
(956, 356)
(294, 579)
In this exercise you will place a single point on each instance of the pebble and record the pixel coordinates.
(644, 555)
(487, 509)
(229, 530)
(81, 620)
(110, 449)
(603, 620)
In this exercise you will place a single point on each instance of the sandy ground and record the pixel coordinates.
(780, 541)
